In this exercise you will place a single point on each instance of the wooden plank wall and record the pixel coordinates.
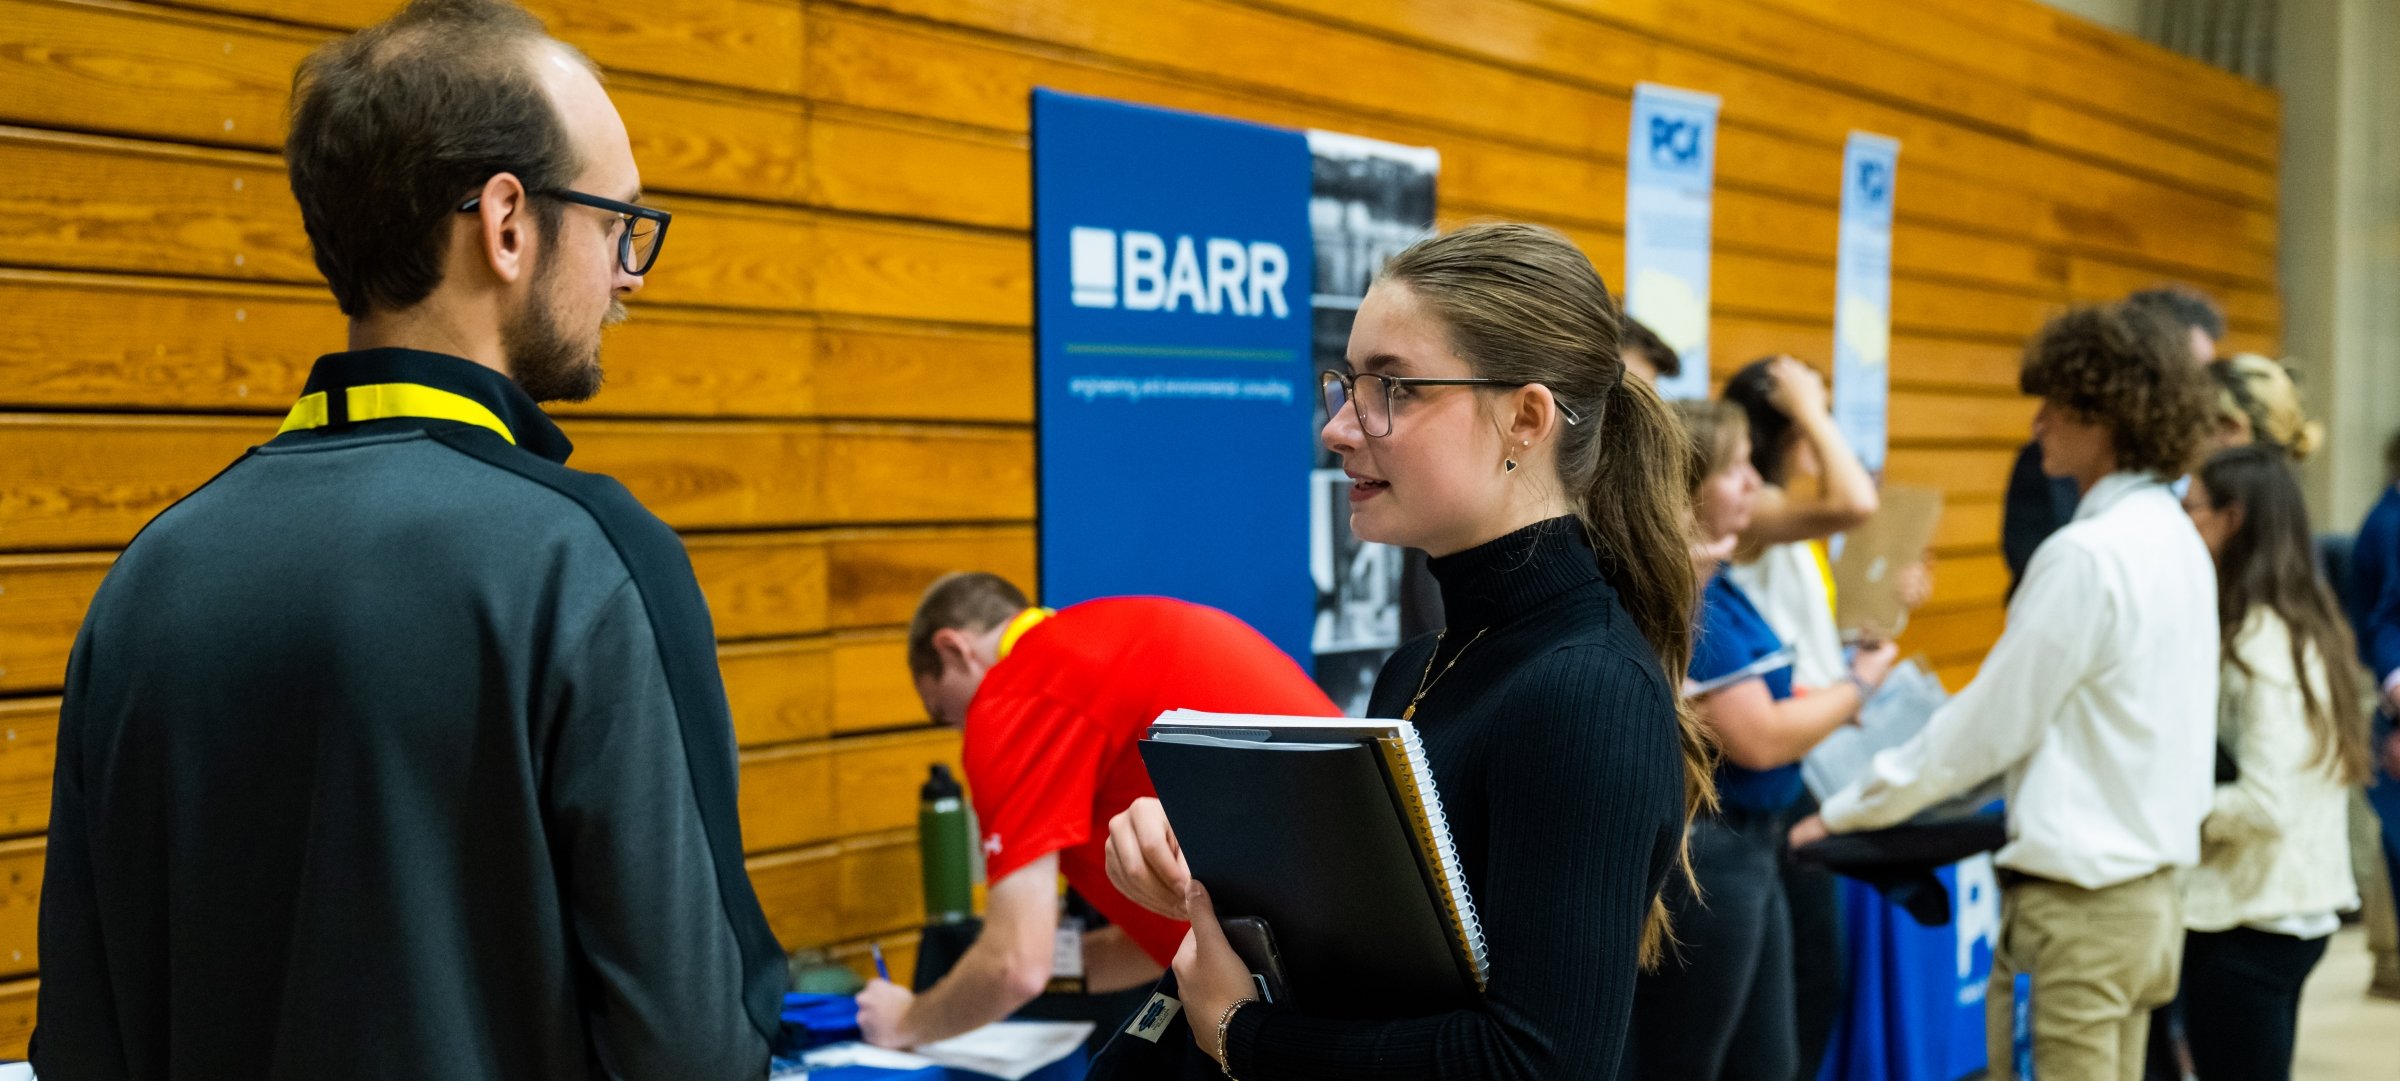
(828, 384)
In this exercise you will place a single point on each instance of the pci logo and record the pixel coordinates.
(1675, 142)
(1144, 272)
(1874, 183)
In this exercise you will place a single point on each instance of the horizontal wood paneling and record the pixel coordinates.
(139, 342)
(857, 888)
(20, 905)
(93, 480)
(814, 792)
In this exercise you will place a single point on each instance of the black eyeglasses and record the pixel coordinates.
(644, 229)
(1374, 404)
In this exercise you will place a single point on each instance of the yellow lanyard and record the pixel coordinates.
(1025, 621)
(384, 401)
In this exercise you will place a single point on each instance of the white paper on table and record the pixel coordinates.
(16, 1071)
(1010, 1050)
(863, 1054)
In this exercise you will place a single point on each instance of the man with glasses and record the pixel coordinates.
(398, 749)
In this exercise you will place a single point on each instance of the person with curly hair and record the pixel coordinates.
(2038, 504)
(2087, 706)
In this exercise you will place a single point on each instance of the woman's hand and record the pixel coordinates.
(1144, 862)
(1808, 831)
(1799, 392)
(1873, 664)
(1916, 583)
(1208, 974)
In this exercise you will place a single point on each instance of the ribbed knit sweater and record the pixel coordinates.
(1553, 743)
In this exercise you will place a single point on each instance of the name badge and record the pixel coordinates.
(1151, 1021)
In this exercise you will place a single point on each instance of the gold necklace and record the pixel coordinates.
(1426, 681)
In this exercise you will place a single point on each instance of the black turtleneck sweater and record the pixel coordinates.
(1553, 741)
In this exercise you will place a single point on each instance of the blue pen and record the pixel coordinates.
(876, 948)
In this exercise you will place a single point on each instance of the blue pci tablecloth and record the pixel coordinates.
(1915, 1011)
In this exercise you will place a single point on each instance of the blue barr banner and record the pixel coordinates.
(1862, 314)
(1172, 300)
(1670, 186)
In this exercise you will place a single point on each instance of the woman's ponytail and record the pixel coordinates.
(1635, 511)
(1524, 305)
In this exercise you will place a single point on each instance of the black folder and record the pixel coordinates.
(1331, 833)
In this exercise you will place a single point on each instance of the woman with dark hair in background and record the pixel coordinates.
(1488, 420)
(2274, 850)
(1723, 1006)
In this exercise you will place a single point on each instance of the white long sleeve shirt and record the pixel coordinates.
(2098, 703)
(2275, 849)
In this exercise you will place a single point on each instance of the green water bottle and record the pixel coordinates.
(946, 848)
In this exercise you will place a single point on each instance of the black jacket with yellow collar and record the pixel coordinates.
(399, 750)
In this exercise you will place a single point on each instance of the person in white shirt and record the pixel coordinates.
(2274, 866)
(2092, 705)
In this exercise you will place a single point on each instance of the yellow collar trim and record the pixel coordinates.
(384, 401)
(1025, 621)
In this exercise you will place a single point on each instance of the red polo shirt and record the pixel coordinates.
(1050, 741)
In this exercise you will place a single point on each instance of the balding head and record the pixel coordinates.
(392, 127)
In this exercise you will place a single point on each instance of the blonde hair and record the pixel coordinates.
(2258, 392)
(1524, 305)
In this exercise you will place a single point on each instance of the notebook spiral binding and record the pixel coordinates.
(1425, 804)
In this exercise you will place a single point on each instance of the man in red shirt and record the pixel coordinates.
(1053, 704)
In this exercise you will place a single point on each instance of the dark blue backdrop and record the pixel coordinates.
(1172, 276)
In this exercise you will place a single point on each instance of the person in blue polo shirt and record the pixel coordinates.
(1721, 1006)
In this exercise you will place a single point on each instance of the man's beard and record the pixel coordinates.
(546, 362)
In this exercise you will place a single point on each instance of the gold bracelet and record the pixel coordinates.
(1225, 1023)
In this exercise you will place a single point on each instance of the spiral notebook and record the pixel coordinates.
(1332, 833)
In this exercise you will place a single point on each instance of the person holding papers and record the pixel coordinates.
(1814, 486)
(1052, 704)
(1487, 419)
(2094, 705)
(1723, 1006)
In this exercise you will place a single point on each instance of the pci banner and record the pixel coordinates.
(1172, 299)
(1670, 186)
(1862, 314)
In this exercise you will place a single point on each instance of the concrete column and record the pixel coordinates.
(2340, 237)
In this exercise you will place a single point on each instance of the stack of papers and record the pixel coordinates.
(1009, 1050)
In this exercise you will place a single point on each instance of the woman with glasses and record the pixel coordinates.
(1488, 420)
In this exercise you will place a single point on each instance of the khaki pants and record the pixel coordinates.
(2101, 960)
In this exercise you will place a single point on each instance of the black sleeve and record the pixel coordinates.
(76, 1004)
(2030, 514)
(662, 959)
(684, 658)
(1585, 799)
